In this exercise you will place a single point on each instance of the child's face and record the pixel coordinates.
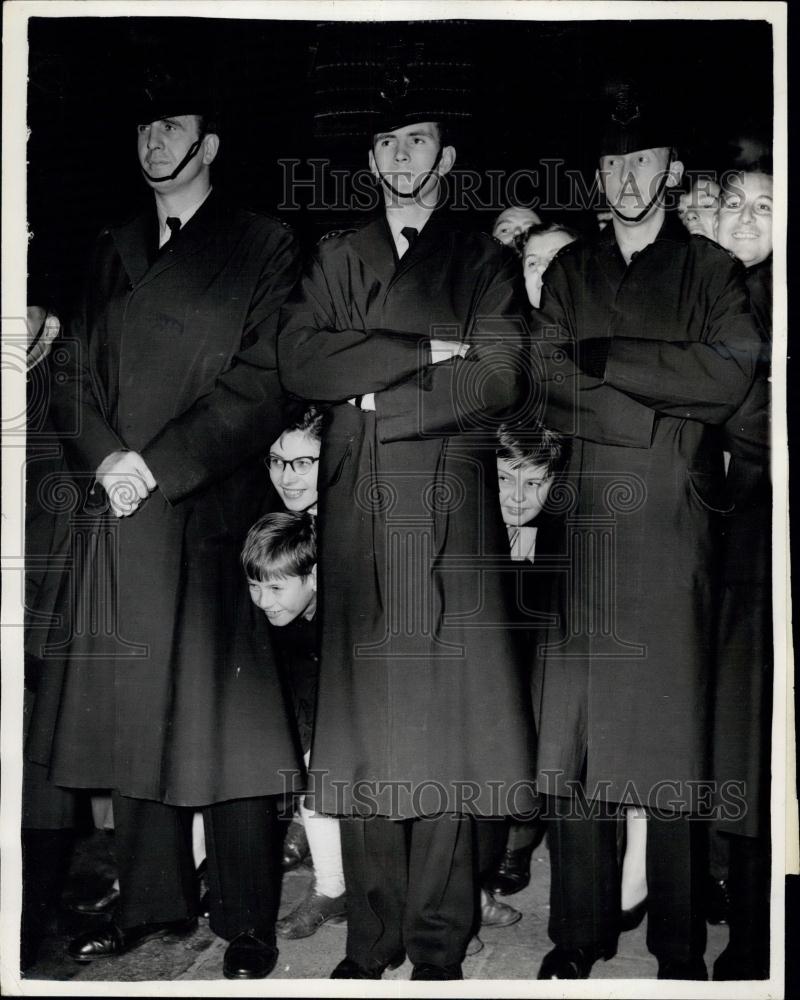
(296, 488)
(284, 598)
(523, 491)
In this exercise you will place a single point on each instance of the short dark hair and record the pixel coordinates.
(539, 229)
(307, 421)
(532, 445)
(280, 545)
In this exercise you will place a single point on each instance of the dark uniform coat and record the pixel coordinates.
(422, 703)
(743, 692)
(44, 806)
(625, 690)
(161, 683)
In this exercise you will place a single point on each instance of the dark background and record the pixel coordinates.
(536, 86)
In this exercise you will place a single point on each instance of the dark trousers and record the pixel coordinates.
(749, 890)
(158, 882)
(585, 881)
(410, 886)
(490, 840)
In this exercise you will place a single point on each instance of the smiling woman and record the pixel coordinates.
(294, 462)
(744, 224)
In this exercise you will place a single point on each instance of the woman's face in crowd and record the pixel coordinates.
(697, 209)
(523, 491)
(297, 488)
(744, 223)
(539, 251)
(512, 223)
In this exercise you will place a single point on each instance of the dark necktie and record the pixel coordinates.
(173, 224)
(410, 234)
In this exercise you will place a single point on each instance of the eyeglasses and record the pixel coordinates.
(301, 466)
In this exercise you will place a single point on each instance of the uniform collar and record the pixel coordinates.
(133, 240)
(184, 216)
(672, 231)
(375, 245)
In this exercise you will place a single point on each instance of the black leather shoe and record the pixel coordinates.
(513, 872)
(248, 957)
(572, 963)
(96, 907)
(630, 919)
(694, 968)
(348, 969)
(436, 973)
(111, 940)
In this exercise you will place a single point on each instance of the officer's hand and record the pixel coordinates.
(125, 477)
(443, 350)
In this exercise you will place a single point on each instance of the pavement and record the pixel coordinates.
(512, 953)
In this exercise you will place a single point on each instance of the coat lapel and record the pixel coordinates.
(375, 247)
(135, 240)
(427, 243)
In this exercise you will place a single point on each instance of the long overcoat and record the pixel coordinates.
(743, 682)
(423, 706)
(624, 692)
(161, 681)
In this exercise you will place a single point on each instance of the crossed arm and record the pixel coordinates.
(417, 385)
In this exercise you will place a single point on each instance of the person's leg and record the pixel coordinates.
(525, 835)
(154, 859)
(243, 845)
(325, 845)
(440, 908)
(747, 953)
(325, 901)
(489, 841)
(677, 867)
(198, 839)
(376, 875)
(584, 878)
(634, 864)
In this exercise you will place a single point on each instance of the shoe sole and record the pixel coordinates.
(239, 976)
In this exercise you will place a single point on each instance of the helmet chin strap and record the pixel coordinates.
(656, 197)
(192, 152)
(410, 195)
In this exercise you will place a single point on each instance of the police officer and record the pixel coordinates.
(171, 701)
(646, 344)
